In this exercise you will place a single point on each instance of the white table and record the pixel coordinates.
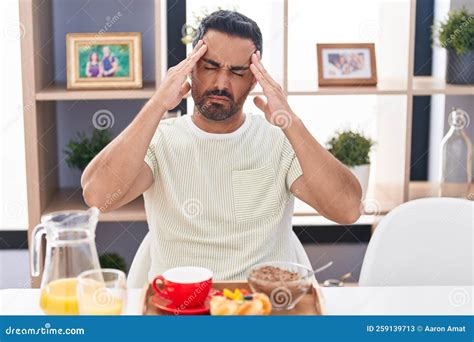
(404, 300)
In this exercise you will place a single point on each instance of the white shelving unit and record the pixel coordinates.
(389, 187)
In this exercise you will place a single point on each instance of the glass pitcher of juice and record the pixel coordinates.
(70, 250)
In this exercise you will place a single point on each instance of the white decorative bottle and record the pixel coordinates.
(456, 157)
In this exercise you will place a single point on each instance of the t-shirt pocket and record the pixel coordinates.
(255, 195)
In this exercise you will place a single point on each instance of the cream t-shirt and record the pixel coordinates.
(221, 201)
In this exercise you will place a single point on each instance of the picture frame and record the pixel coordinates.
(110, 60)
(346, 64)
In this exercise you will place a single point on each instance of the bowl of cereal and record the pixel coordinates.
(285, 283)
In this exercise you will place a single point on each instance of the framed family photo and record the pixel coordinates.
(104, 60)
(346, 64)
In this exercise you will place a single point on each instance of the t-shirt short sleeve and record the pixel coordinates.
(289, 156)
(151, 157)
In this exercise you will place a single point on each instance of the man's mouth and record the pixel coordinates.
(219, 98)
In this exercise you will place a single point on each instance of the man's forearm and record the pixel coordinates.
(118, 164)
(334, 186)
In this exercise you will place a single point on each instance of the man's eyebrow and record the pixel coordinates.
(238, 67)
(210, 61)
(233, 67)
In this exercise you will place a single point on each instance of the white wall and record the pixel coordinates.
(13, 200)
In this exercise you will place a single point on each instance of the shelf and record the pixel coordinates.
(383, 87)
(71, 199)
(318, 220)
(58, 92)
(420, 189)
(380, 199)
(426, 85)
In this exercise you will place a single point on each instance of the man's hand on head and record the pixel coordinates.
(175, 85)
(276, 107)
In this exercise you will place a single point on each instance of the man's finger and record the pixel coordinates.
(194, 58)
(260, 103)
(185, 61)
(260, 78)
(259, 65)
(197, 46)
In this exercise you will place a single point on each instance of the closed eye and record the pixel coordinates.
(234, 72)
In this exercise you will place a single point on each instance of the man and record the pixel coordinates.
(219, 184)
(109, 63)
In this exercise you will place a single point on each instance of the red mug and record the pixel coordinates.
(185, 286)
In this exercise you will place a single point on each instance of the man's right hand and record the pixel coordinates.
(120, 167)
(175, 85)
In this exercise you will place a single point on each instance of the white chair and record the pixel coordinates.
(423, 242)
(138, 273)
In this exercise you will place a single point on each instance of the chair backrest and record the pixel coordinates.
(422, 242)
(138, 274)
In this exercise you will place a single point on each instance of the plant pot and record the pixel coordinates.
(460, 68)
(362, 172)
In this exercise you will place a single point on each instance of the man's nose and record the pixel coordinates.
(223, 79)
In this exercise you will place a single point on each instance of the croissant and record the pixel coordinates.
(258, 305)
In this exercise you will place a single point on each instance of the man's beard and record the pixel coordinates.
(217, 111)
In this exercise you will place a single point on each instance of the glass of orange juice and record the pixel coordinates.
(59, 297)
(101, 292)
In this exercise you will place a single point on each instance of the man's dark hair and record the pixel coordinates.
(234, 24)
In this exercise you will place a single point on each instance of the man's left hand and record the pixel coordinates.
(276, 108)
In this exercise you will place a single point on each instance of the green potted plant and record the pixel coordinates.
(79, 152)
(456, 34)
(113, 260)
(353, 150)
